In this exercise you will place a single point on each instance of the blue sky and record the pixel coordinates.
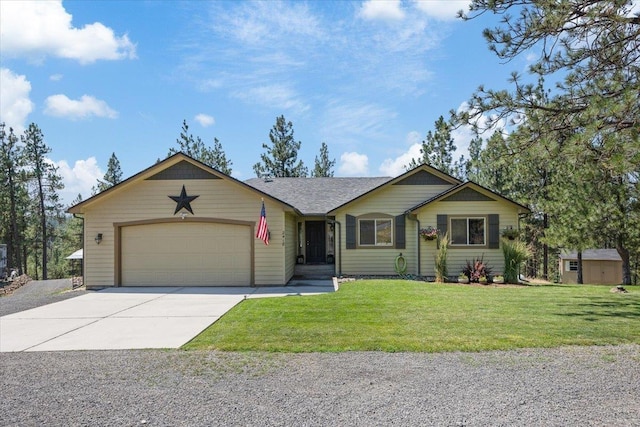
(368, 78)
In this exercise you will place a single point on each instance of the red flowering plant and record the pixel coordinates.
(429, 233)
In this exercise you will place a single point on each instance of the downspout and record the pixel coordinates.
(415, 218)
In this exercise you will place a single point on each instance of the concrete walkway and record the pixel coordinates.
(132, 318)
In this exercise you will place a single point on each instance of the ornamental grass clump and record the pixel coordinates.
(441, 259)
(515, 252)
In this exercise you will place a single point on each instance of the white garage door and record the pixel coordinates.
(186, 254)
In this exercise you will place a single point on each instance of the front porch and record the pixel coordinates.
(314, 271)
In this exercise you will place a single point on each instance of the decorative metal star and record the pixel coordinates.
(183, 201)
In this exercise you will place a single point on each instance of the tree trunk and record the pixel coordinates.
(626, 264)
(43, 224)
(545, 250)
(580, 279)
(24, 259)
(13, 255)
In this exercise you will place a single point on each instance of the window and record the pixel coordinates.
(468, 231)
(375, 232)
(573, 265)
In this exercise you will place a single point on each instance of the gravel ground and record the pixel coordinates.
(571, 386)
(37, 293)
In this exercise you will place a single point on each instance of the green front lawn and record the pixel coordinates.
(399, 315)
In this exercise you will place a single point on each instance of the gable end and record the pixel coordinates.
(181, 171)
(422, 178)
(468, 195)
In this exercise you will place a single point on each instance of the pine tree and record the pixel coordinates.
(323, 166)
(12, 196)
(589, 120)
(194, 147)
(281, 158)
(437, 150)
(112, 177)
(46, 183)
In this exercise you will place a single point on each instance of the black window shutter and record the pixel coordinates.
(400, 232)
(494, 231)
(441, 224)
(351, 232)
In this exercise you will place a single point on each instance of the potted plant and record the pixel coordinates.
(463, 278)
(429, 233)
(483, 280)
(499, 279)
(510, 233)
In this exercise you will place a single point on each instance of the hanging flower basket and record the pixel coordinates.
(429, 233)
(510, 233)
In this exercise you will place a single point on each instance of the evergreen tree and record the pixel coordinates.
(472, 168)
(323, 166)
(281, 158)
(591, 118)
(214, 156)
(12, 196)
(46, 183)
(112, 177)
(437, 149)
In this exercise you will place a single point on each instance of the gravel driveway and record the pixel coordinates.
(577, 386)
(572, 386)
(37, 293)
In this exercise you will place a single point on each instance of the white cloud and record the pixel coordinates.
(353, 164)
(55, 77)
(278, 96)
(15, 105)
(262, 23)
(78, 179)
(384, 10)
(355, 122)
(87, 106)
(37, 29)
(205, 120)
(442, 9)
(397, 166)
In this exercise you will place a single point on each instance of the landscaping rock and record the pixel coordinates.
(15, 284)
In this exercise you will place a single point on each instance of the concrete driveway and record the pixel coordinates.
(132, 318)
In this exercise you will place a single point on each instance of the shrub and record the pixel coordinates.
(476, 268)
(441, 258)
(515, 252)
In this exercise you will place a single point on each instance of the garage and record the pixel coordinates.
(186, 254)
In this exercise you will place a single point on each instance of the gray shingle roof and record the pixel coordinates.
(594, 254)
(313, 196)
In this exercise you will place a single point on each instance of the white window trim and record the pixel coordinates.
(572, 265)
(375, 235)
(467, 218)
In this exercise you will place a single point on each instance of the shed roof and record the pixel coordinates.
(594, 255)
(316, 196)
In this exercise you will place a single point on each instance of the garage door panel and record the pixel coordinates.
(190, 254)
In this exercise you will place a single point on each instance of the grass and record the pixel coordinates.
(398, 315)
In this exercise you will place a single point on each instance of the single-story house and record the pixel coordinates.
(599, 266)
(180, 222)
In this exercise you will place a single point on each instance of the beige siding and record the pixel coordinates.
(393, 200)
(148, 200)
(594, 272)
(457, 257)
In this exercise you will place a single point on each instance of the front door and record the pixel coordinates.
(316, 241)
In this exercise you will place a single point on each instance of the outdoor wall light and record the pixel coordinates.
(98, 238)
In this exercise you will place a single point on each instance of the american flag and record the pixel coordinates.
(263, 229)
